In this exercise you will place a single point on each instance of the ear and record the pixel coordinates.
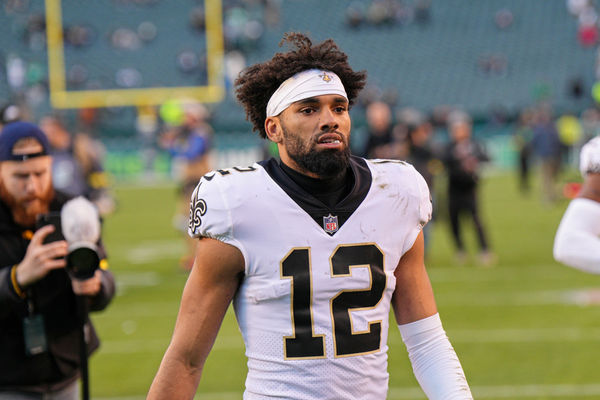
(273, 129)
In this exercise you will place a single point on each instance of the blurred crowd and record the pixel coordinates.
(179, 128)
(390, 13)
(446, 146)
(449, 150)
(244, 25)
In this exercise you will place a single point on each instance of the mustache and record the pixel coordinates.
(22, 214)
(32, 198)
(319, 135)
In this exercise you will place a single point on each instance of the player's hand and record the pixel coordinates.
(41, 258)
(88, 287)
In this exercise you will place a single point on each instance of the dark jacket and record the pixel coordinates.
(53, 298)
(462, 161)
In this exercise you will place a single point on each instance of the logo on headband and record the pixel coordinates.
(325, 77)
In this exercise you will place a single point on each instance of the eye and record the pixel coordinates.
(307, 110)
(340, 109)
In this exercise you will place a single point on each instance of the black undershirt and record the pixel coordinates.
(329, 191)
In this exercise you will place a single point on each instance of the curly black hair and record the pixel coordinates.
(257, 83)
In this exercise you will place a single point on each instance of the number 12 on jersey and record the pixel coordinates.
(304, 343)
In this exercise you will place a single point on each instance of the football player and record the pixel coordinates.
(312, 250)
(576, 243)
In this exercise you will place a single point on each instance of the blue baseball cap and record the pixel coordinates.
(15, 131)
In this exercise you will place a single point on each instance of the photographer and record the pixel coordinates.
(39, 320)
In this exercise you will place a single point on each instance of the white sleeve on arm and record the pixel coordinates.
(577, 243)
(434, 360)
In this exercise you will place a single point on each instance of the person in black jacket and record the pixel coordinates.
(462, 158)
(39, 323)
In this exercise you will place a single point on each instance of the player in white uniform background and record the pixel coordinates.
(577, 241)
(312, 250)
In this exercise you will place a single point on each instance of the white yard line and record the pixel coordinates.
(579, 297)
(524, 335)
(133, 346)
(151, 251)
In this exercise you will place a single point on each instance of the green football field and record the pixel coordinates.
(528, 328)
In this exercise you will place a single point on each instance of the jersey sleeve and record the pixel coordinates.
(423, 207)
(589, 160)
(424, 198)
(210, 214)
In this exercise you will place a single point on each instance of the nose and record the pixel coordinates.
(329, 120)
(32, 185)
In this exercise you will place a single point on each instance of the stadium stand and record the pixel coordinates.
(482, 56)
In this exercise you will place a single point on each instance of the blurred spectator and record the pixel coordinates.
(422, 156)
(15, 6)
(493, 64)
(91, 152)
(503, 18)
(421, 152)
(522, 139)
(197, 19)
(147, 127)
(242, 28)
(546, 146)
(10, 113)
(423, 12)
(379, 13)
(125, 39)
(576, 87)
(379, 124)
(355, 14)
(590, 123)
(587, 30)
(576, 7)
(34, 33)
(79, 35)
(272, 13)
(463, 157)
(16, 72)
(588, 35)
(570, 134)
(234, 62)
(189, 145)
(77, 164)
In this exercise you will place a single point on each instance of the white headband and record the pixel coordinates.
(305, 84)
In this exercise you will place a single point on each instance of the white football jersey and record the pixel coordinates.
(314, 305)
(589, 159)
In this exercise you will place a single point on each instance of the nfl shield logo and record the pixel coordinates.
(330, 224)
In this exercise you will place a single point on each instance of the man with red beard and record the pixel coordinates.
(39, 322)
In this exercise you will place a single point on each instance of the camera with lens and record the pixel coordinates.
(78, 223)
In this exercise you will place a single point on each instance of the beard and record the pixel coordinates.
(328, 163)
(26, 214)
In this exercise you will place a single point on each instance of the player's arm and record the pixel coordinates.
(433, 358)
(577, 241)
(210, 288)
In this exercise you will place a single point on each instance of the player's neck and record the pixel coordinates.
(329, 190)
